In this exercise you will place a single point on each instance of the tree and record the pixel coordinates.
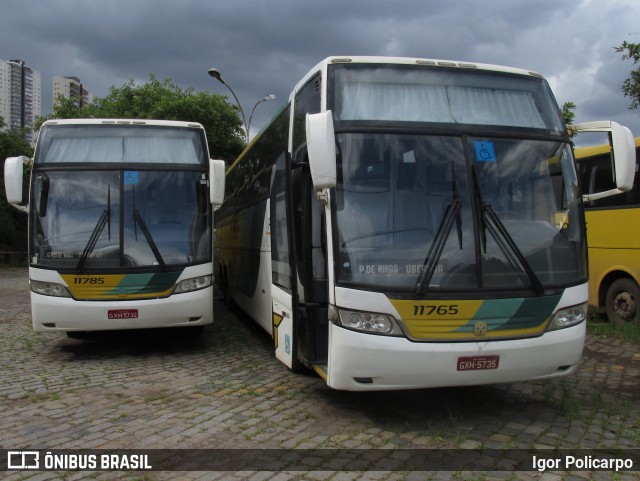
(165, 101)
(567, 112)
(631, 86)
(13, 223)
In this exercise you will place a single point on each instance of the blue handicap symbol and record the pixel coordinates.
(485, 151)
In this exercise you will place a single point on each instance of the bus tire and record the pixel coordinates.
(623, 302)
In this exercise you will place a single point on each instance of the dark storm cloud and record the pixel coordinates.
(265, 46)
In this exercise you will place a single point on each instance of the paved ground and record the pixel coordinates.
(224, 389)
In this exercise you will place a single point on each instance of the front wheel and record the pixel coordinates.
(623, 302)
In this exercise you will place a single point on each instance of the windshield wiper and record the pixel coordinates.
(105, 219)
(451, 214)
(488, 219)
(137, 218)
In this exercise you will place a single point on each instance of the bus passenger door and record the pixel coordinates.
(299, 283)
(312, 330)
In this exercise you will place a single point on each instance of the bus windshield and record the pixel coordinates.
(119, 219)
(417, 212)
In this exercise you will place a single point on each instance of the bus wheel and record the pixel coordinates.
(623, 301)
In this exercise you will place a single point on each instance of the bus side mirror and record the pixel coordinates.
(14, 179)
(623, 152)
(321, 147)
(216, 179)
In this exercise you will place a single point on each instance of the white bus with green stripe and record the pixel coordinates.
(408, 223)
(120, 224)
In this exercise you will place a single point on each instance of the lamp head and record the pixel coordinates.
(215, 73)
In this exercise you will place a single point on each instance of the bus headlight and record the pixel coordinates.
(49, 288)
(569, 316)
(193, 284)
(369, 322)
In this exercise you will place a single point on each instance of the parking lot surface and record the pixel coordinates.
(224, 389)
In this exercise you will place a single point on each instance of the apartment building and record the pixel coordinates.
(20, 95)
(71, 87)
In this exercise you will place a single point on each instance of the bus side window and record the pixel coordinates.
(599, 178)
(307, 101)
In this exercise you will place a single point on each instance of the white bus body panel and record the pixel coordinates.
(398, 363)
(258, 306)
(283, 325)
(67, 314)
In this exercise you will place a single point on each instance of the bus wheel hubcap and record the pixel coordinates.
(625, 305)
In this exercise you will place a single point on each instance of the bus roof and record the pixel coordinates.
(148, 122)
(582, 152)
(322, 65)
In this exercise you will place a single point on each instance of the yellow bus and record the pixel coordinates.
(613, 236)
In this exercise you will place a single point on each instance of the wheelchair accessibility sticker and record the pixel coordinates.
(485, 151)
(131, 177)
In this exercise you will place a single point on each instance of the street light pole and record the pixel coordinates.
(265, 99)
(215, 73)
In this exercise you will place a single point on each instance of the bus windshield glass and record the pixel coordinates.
(120, 144)
(120, 219)
(458, 96)
(446, 213)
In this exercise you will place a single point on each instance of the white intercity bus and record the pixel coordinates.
(120, 224)
(408, 223)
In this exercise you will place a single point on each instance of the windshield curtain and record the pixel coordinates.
(115, 219)
(117, 144)
(453, 96)
(399, 196)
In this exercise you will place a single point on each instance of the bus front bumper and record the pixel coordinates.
(51, 314)
(364, 362)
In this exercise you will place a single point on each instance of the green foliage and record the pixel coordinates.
(631, 86)
(599, 325)
(164, 100)
(567, 112)
(13, 223)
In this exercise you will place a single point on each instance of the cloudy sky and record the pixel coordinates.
(263, 47)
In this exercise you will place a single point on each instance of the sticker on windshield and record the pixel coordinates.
(131, 177)
(484, 151)
(409, 157)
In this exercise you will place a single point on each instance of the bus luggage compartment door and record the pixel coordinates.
(283, 339)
